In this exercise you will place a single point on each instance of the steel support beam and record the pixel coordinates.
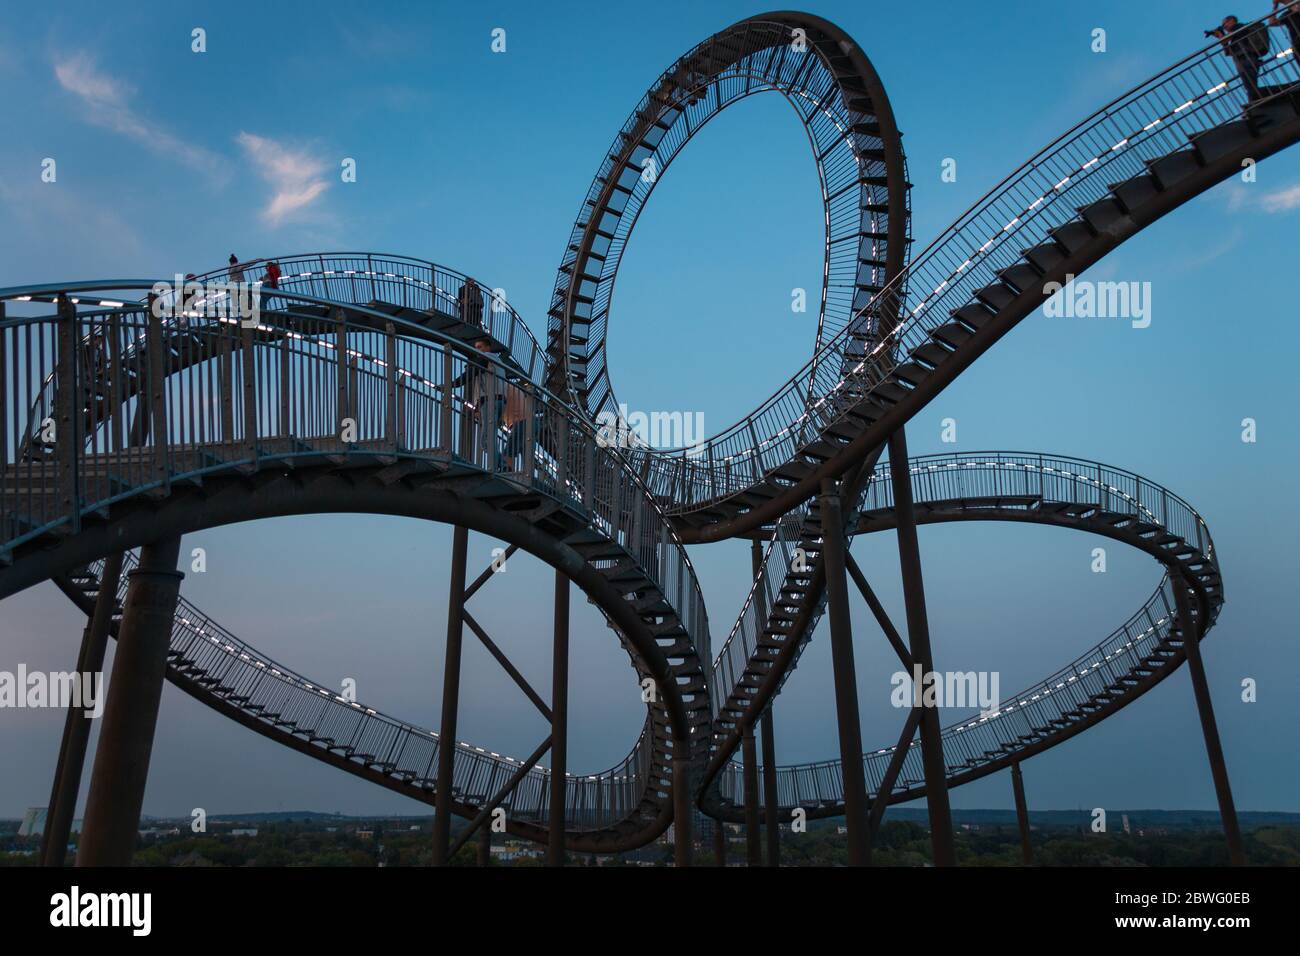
(1209, 727)
(845, 674)
(771, 816)
(484, 846)
(1022, 815)
(450, 698)
(753, 837)
(76, 725)
(892, 771)
(767, 731)
(130, 718)
(559, 722)
(878, 611)
(681, 803)
(481, 819)
(918, 634)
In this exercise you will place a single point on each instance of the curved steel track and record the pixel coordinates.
(196, 420)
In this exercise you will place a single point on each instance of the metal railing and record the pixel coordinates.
(139, 404)
(1156, 118)
(1015, 484)
(210, 658)
(751, 57)
(366, 278)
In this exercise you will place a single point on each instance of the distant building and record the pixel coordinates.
(244, 831)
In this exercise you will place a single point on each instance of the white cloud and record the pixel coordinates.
(297, 178)
(107, 100)
(1284, 200)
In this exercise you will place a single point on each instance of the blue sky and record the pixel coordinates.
(168, 161)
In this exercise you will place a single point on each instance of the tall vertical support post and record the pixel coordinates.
(121, 769)
(770, 819)
(559, 723)
(753, 837)
(1209, 727)
(918, 636)
(1022, 815)
(76, 725)
(846, 680)
(67, 396)
(485, 844)
(681, 802)
(450, 697)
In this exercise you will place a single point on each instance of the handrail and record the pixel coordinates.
(331, 272)
(1196, 94)
(404, 391)
(198, 639)
(1032, 480)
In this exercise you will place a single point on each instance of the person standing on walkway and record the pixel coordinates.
(1243, 44)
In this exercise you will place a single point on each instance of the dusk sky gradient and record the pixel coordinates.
(168, 161)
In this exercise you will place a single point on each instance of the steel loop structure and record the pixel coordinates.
(135, 411)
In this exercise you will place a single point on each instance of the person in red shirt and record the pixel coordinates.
(272, 277)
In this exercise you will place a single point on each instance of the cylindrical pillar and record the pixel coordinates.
(918, 637)
(559, 722)
(1022, 815)
(121, 770)
(753, 837)
(681, 803)
(845, 675)
(485, 844)
(76, 725)
(771, 811)
(1209, 727)
(450, 698)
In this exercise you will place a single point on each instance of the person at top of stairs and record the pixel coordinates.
(1247, 46)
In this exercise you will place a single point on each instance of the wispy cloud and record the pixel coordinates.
(1282, 200)
(1241, 198)
(297, 178)
(108, 104)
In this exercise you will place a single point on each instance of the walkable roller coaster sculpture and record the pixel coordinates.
(367, 385)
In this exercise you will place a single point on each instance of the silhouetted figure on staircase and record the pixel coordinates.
(470, 303)
(1248, 47)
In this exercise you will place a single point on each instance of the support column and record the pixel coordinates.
(772, 821)
(1209, 727)
(770, 810)
(559, 722)
(76, 725)
(130, 718)
(1022, 815)
(681, 803)
(846, 681)
(753, 841)
(485, 845)
(450, 698)
(918, 636)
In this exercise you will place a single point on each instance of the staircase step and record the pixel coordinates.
(1102, 214)
(1136, 191)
